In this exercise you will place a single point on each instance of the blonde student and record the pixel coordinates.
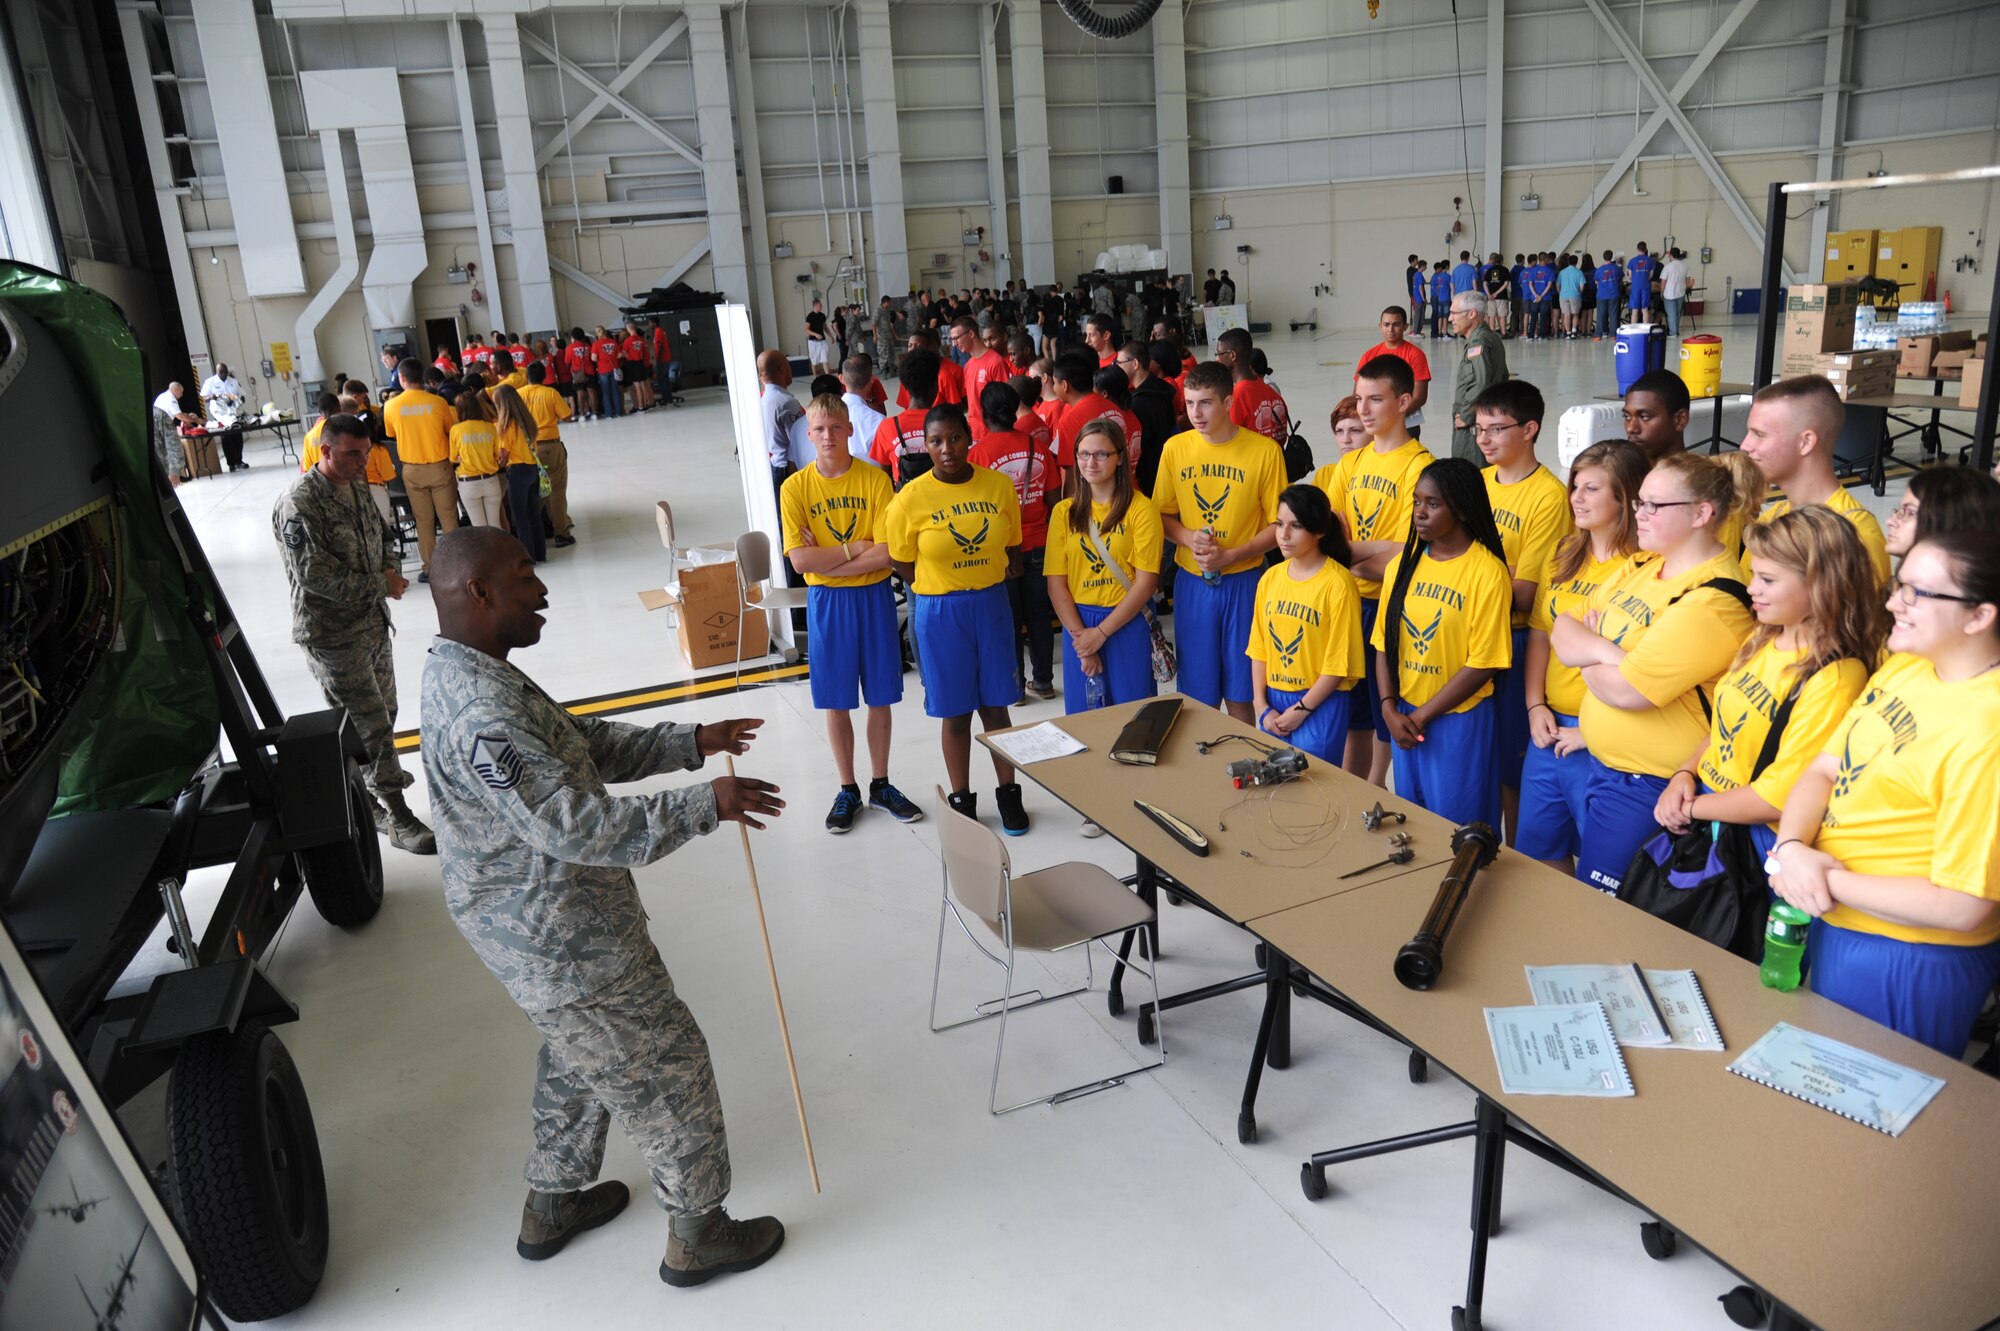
(1652, 648)
(1305, 641)
(1603, 483)
(1889, 838)
(476, 455)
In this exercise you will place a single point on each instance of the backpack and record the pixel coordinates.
(1298, 459)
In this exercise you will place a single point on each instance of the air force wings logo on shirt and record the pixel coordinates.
(1287, 651)
(496, 761)
(1850, 771)
(969, 545)
(1729, 734)
(1364, 525)
(839, 536)
(1211, 509)
(1421, 639)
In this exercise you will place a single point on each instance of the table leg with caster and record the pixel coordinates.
(1490, 1134)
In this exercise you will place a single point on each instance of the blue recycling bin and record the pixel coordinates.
(1640, 347)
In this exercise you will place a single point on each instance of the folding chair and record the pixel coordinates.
(753, 571)
(1049, 910)
(663, 516)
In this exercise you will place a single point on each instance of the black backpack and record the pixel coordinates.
(1298, 459)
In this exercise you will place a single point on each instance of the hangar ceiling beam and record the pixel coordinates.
(1031, 142)
(766, 304)
(1832, 122)
(239, 94)
(132, 21)
(885, 148)
(718, 151)
(475, 168)
(996, 160)
(1170, 85)
(640, 64)
(516, 129)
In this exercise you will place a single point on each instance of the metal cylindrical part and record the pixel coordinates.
(177, 920)
(1420, 962)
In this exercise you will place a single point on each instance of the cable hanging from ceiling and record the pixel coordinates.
(1084, 14)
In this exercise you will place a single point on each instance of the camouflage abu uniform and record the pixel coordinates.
(538, 864)
(336, 551)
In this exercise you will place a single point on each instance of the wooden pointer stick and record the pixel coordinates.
(784, 1030)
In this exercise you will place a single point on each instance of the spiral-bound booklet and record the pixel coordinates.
(1685, 1009)
(1557, 1051)
(1851, 1082)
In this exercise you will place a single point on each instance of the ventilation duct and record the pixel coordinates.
(369, 102)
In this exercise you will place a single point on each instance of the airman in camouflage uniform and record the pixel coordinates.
(538, 859)
(341, 563)
(886, 341)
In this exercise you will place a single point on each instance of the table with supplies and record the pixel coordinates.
(1839, 1225)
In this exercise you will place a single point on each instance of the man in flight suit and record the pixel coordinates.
(538, 860)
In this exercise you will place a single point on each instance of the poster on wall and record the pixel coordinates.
(1219, 319)
(84, 1239)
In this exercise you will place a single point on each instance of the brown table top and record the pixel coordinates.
(1848, 1227)
(1251, 869)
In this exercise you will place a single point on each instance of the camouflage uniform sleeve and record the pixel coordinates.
(310, 551)
(525, 784)
(633, 753)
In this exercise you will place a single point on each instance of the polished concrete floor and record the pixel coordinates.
(1135, 1205)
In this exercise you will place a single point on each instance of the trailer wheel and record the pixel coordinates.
(245, 1165)
(345, 878)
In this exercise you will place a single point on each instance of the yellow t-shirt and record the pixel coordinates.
(1302, 630)
(381, 467)
(517, 380)
(420, 423)
(1455, 616)
(309, 453)
(1747, 701)
(1843, 502)
(957, 535)
(1371, 493)
(1670, 653)
(1919, 791)
(1136, 543)
(850, 509)
(474, 449)
(512, 446)
(1562, 686)
(548, 407)
(1231, 489)
(1533, 515)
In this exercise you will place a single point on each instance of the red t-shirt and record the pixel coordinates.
(896, 438)
(484, 355)
(1033, 472)
(577, 357)
(1050, 411)
(444, 362)
(1187, 363)
(875, 395)
(1081, 413)
(604, 354)
(1104, 362)
(554, 370)
(1255, 405)
(1409, 353)
(522, 355)
(633, 347)
(951, 386)
(980, 371)
(663, 347)
(1031, 424)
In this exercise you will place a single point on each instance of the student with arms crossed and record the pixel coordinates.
(1652, 648)
(1441, 640)
(1305, 643)
(1603, 482)
(955, 538)
(1891, 838)
(1217, 496)
(835, 513)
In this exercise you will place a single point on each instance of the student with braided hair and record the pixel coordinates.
(1442, 637)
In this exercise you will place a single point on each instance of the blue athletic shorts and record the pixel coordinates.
(1211, 629)
(852, 646)
(1617, 819)
(1451, 772)
(1510, 692)
(1930, 992)
(966, 650)
(1323, 734)
(1128, 663)
(1364, 711)
(1552, 795)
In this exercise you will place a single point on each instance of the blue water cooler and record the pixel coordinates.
(1640, 348)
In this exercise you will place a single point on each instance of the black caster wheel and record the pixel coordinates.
(1260, 958)
(1658, 1240)
(1745, 1306)
(1313, 1181)
(1174, 899)
(1420, 1069)
(1246, 1129)
(1147, 1035)
(1461, 1320)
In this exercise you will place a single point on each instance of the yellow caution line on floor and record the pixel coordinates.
(408, 741)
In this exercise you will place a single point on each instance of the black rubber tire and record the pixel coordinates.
(1312, 1182)
(1745, 1306)
(1420, 1068)
(345, 877)
(244, 1160)
(1658, 1241)
(1147, 1035)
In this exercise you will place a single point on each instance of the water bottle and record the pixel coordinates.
(1784, 946)
(1210, 576)
(1095, 694)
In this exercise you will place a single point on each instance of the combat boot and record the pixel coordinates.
(551, 1219)
(406, 831)
(699, 1248)
(385, 825)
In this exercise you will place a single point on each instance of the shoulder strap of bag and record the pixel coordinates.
(1735, 590)
(1104, 553)
(1775, 736)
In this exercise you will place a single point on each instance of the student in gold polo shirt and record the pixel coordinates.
(1603, 483)
(1652, 648)
(420, 423)
(1791, 432)
(955, 537)
(1305, 639)
(476, 454)
(1891, 838)
(550, 410)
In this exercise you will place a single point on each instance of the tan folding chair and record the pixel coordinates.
(1049, 910)
(663, 515)
(753, 571)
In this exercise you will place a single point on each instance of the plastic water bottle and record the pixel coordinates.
(1784, 946)
(1211, 576)
(1095, 694)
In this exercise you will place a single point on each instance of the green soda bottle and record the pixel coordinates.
(1784, 946)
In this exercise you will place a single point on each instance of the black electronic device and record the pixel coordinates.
(1180, 830)
(1270, 769)
(1420, 961)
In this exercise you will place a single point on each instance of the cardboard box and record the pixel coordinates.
(1951, 364)
(1820, 318)
(203, 454)
(1968, 391)
(705, 613)
(1879, 361)
(1917, 354)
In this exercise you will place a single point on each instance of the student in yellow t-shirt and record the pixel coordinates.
(326, 405)
(1531, 509)
(1217, 492)
(1305, 641)
(1441, 641)
(1370, 490)
(955, 537)
(1942, 499)
(1603, 483)
(381, 470)
(420, 423)
(521, 475)
(549, 409)
(835, 513)
(1107, 643)
(1791, 432)
(1891, 838)
(476, 453)
(1652, 648)
(1820, 627)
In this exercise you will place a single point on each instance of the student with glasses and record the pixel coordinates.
(1942, 499)
(1652, 648)
(1889, 838)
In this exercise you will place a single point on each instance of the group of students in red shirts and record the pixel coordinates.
(604, 374)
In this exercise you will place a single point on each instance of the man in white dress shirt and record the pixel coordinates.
(223, 397)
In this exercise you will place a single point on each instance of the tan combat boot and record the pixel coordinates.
(551, 1219)
(699, 1248)
(406, 830)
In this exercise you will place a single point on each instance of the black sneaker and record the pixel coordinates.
(883, 796)
(1013, 818)
(561, 542)
(840, 818)
(966, 802)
